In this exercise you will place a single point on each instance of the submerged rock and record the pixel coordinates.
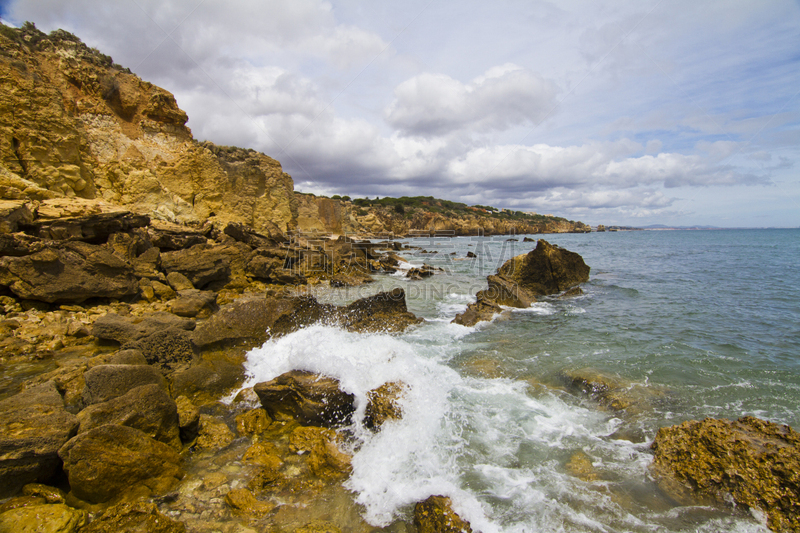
(138, 517)
(325, 459)
(436, 515)
(752, 462)
(311, 399)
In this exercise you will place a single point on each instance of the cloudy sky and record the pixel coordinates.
(627, 112)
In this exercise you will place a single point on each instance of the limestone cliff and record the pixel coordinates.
(384, 217)
(72, 123)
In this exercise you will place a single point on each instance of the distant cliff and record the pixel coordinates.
(72, 123)
(406, 216)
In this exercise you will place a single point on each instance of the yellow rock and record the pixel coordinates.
(54, 518)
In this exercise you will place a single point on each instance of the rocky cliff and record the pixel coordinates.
(409, 216)
(72, 123)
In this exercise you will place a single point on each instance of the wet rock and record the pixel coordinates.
(502, 291)
(571, 293)
(383, 312)
(147, 408)
(33, 426)
(325, 459)
(112, 461)
(52, 518)
(611, 391)
(21, 501)
(244, 502)
(318, 526)
(136, 517)
(311, 399)
(751, 461)
(244, 320)
(214, 434)
(188, 419)
(477, 312)
(264, 454)
(194, 303)
(68, 272)
(207, 380)
(436, 515)
(106, 382)
(580, 465)
(383, 404)
(252, 422)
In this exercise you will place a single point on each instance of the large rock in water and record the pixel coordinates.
(111, 460)
(68, 272)
(436, 515)
(311, 399)
(754, 462)
(546, 270)
(33, 426)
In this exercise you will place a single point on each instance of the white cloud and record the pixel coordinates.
(505, 96)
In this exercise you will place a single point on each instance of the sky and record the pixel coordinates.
(634, 113)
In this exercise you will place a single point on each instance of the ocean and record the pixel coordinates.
(684, 324)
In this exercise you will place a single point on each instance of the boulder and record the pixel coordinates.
(128, 329)
(382, 312)
(244, 320)
(179, 282)
(194, 303)
(214, 434)
(166, 348)
(147, 408)
(252, 422)
(477, 312)
(33, 426)
(207, 380)
(201, 264)
(106, 382)
(136, 517)
(52, 518)
(68, 272)
(749, 461)
(243, 501)
(502, 291)
(311, 399)
(546, 270)
(436, 515)
(111, 461)
(383, 405)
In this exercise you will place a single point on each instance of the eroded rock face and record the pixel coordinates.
(754, 461)
(33, 426)
(436, 515)
(110, 461)
(309, 398)
(80, 126)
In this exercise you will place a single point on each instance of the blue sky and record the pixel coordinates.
(633, 113)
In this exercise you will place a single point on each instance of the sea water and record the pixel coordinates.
(693, 323)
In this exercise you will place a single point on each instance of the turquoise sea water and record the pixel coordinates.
(690, 324)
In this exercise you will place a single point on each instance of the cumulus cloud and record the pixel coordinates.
(505, 96)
